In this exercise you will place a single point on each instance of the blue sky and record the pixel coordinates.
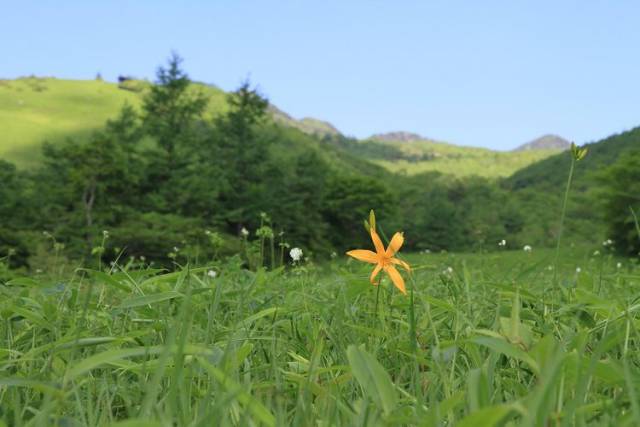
(482, 73)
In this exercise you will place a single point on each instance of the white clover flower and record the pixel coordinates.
(244, 232)
(502, 242)
(527, 248)
(212, 274)
(578, 269)
(295, 254)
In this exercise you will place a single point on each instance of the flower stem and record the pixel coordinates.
(377, 295)
(562, 216)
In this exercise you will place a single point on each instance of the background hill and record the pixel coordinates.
(411, 154)
(35, 109)
(545, 142)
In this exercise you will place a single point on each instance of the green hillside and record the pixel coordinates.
(34, 110)
(545, 175)
(420, 156)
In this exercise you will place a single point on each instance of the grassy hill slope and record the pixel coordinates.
(415, 157)
(33, 110)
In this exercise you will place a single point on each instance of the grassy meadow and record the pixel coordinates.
(484, 339)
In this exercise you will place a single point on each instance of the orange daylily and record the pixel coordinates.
(383, 259)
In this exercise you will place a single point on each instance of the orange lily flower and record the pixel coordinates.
(383, 259)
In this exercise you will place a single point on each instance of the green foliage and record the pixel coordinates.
(15, 214)
(622, 200)
(349, 199)
(156, 236)
(171, 110)
(244, 153)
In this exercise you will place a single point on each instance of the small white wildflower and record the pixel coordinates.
(550, 268)
(502, 242)
(176, 249)
(143, 258)
(244, 232)
(296, 254)
(578, 270)
(333, 255)
(448, 270)
(207, 232)
(596, 253)
(212, 274)
(527, 248)
(38, 271)
(105, 234)
(619, 265)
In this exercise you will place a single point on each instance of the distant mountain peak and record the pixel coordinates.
(546, 142)
(308, 125)
(398, 136)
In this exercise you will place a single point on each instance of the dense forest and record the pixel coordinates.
(166, 184)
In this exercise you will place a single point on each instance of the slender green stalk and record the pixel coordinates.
(378, 293)
(635, 220)
(273, 252)
(560, 230)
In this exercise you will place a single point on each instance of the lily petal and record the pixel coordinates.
(377, 242)
(401, 263)
(395, 244)
(396, 278)
(364, 255)
(374, 273)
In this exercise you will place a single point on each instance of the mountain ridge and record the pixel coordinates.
(545, 142)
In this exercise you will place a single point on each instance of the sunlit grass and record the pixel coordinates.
(305, 346)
